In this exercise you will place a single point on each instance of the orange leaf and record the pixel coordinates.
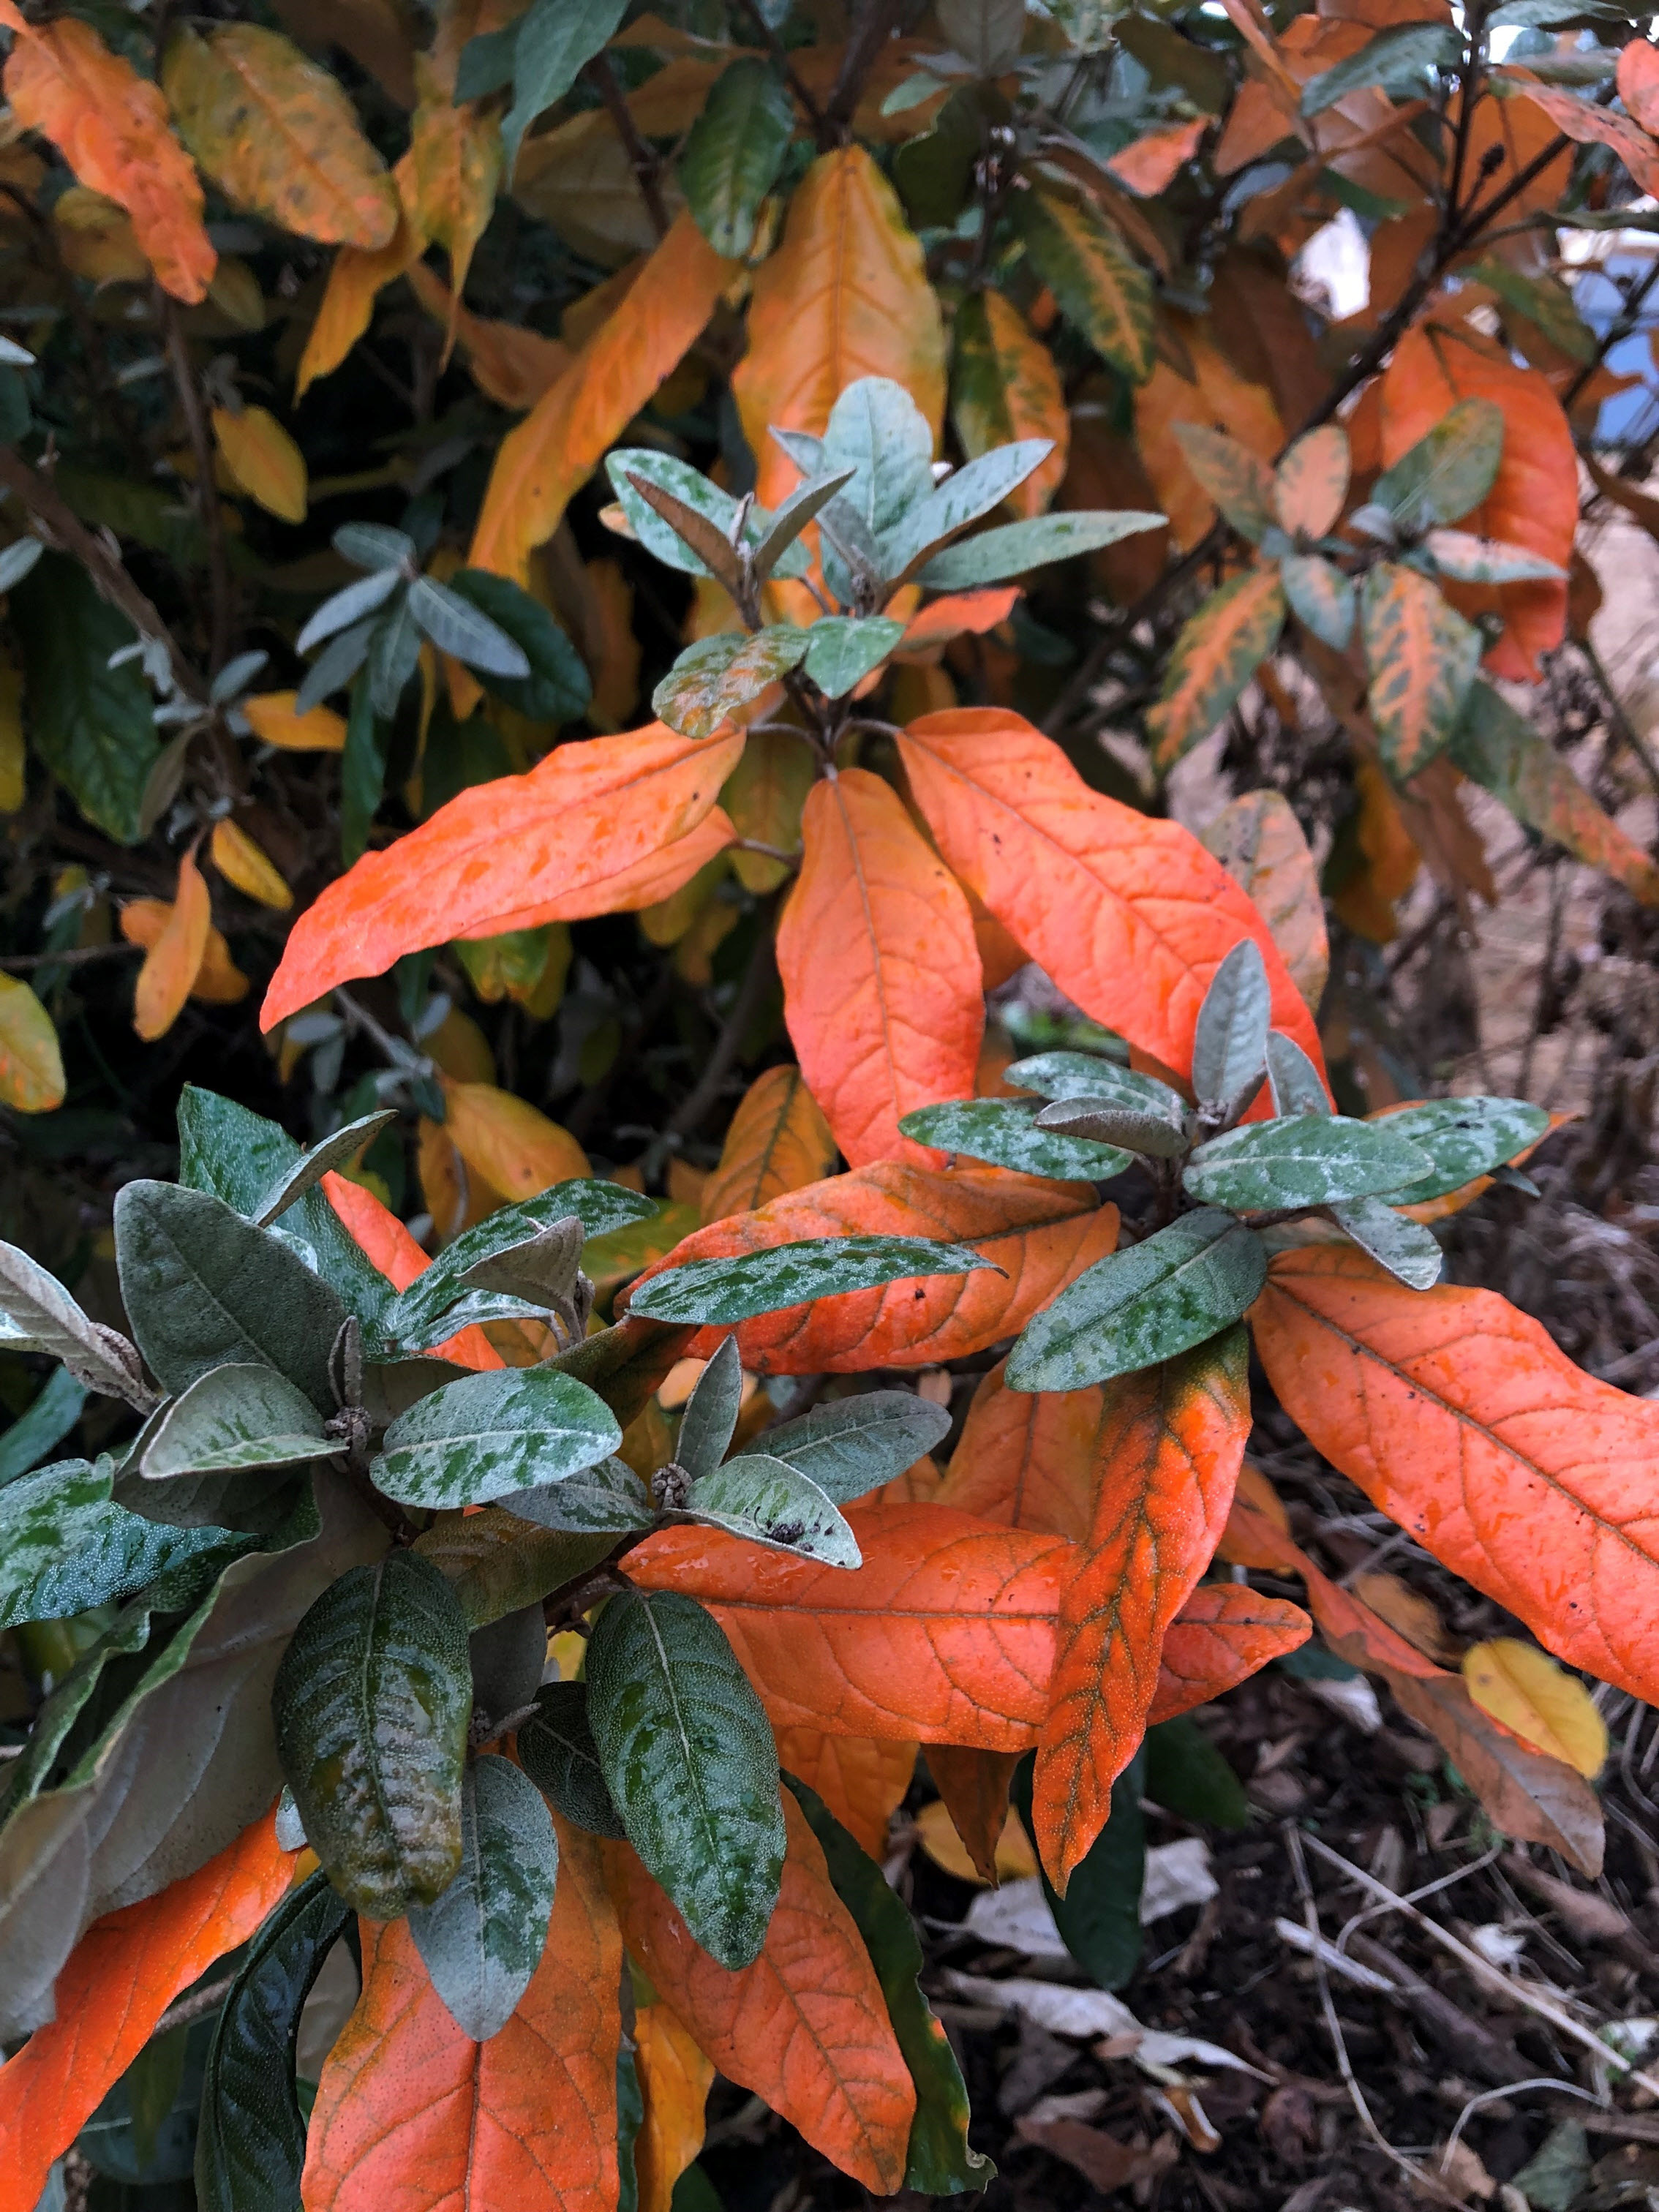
(502, 851)
(1130, 916)
(514, 1147)
(1259, 841)
(263, 459)
(1042, 1233)
(862, 1779)
(778, 1141)
(845, 295)
(357, 276)
(175, 960)
(1638, 82)
(1026, 1459)
(880, 968)
(1220, 1637)
(806, 2026)
(974, 1785)
(114, 1986)
(643, 883)
(563, 440)
(219, 981)
(1218, 650)
(1310, 484)
(510, 364)
(1462, 1419)
(274, 722)
(1533, 500)
(1004, 385)
(1167, 1461)
(1150, 163)
(946, 1634)
(388, 1244)
(411, 2111)
(1590, 126)
(959, 613)
(456, 152)
(675, 2079)
(111, 126)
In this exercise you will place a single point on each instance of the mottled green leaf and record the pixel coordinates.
(1311, 1159)
(966, 496)
(1397, 59)
(1448, 471)
(718, 674)
(608, 1495)
(1101, 288)
(722, 1290)
(1320, 597)
(560, 1756)
(1464, 1138)
(483, 1938)
(1239, 482)
(484, 1436)
(1403, 1246)
(711, 1412)
(841, 650)
(851, 1446)
(1013, 548)
(1230, 1041)
(1087, 1075)
(55, 1412)
(767, 1501)
(1295, 1081)
(1004, 1131)
(64, 1545)
(235, 1417)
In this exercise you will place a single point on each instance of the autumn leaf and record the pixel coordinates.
(1310, 484)
(675, 2079)
(1166, 1461)
(862, 1779)
(456, 154)
(1638, 83)
(946, 1634)
(1589, 124)
(264, 460)
(1258, 840)
(1150, 164)
(958, 614)
(219, 981)
(973, 1787)
(509, 364)
(357, 276)
(1223, 1635)
(806, 2026)
(173, 962)
(881, 976)
(1216, 395)
(1534, 500)
(1421, 657)
(1130, 915)
(845, 295)
(1042, 1234)
(502, 851)
(111, 126)
(507, 1140)
(1004, 386)
(278, 135)
(1217, 651)
(274, 722)
(1464, 1422)
(241, 859)
(383, 1239)
(1524, 1688)
(411, 2109)
(116, 1984)
(1384, 861)
(560, 443)
(764, 796)
(778, 1141)
(31, 1064)
(1102, 288)
(1026, 1459)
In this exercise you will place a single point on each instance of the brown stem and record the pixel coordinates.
(76, 956)
(207, 490)
(862, 48)
(648, 167)
(780, 54)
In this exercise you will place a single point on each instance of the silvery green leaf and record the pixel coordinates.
(793, 517)
(1309, 1160)
(349, 605)
(290, 1828)
(851, 1446)
(508, 1658)
(1229, 1042)
(1004, 1131)
(843, 650)
(236, 675)
(1297, 1087)
(482, 1938)
(683, 482)
(310, 1169)
(37, 1314)
(544, 1271)
(1448, 471)
(1321, 597)
(17, 559)
(1128, 1127)
(806, 451)
(1013, 548)
(1175, 1289)
(1396, 59)
(851, 561)
(465, 632)
(607, 1496)
(241, 1415)
(65, 1546)
(876, 429)
(335, 666)
(711, 1412)
(557, 1752)
(373, 545)
(720, 1291)
(490, 1434)
(1464, 1138)
(1056, 1075)
(1404, 1247)
(767, 1501)
(968, 493)
(394, 652)
(1468, 559)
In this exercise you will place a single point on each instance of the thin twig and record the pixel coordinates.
(780, 55)
(76, 956)
(184, 2009)
(862, 48)
(207, 490)
(1510, 2089)
(646, 164)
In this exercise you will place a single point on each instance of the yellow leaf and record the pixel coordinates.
(277, 135)
(516, 1150)
(461, 1049)
(764, 795)
(240, 861)
(219, 981)
(457, 157)
(235, 292)
(1535, 1697)
(675, 2079)
(96, 240)
(171, 963)
(357, 276)
(264, 460)
(1016, 1861)
(31, 1065)
(272, 719)
(11, 735)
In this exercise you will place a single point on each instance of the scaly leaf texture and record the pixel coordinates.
(116, 1984)
(589, 812)
(675, 2079)
(1223, 1635)
(882, 989)
(946, 1634)
(1131, 916)
(862, 1779)
(1533, 500)
(385, 1241)
(778, 1141)
(1042, 1234)
(1168, 1458)
(845, 295)
(1026, 1459)
(411, 2111)
(1462, 1419)
(804, 2027)
(1004, 385)
(111, 126)
(1215, 656)
(553, 450)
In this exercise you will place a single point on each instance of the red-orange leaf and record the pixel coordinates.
(114, 1986)
(1131, 916)
(1638, 82)
(1167, 1460)
(946, 1634)
(563, 440)
(385, 1241)
(1221, 1635)
(410, 2112)
(586, 814)
(1042, 1234)
(1462, 1419)
(862, 1779)
(806, 2026)
(1026, 1458)
(974, 1785)
(881, 973)
(111, 126)
(1149, 164)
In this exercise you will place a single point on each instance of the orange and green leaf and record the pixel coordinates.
(385, 1241)
(1217, 651)
(1310, 484)
(1421, 657)
(1026, 1458)
(1258, 840)
(1004, 385)
(31, 1062)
